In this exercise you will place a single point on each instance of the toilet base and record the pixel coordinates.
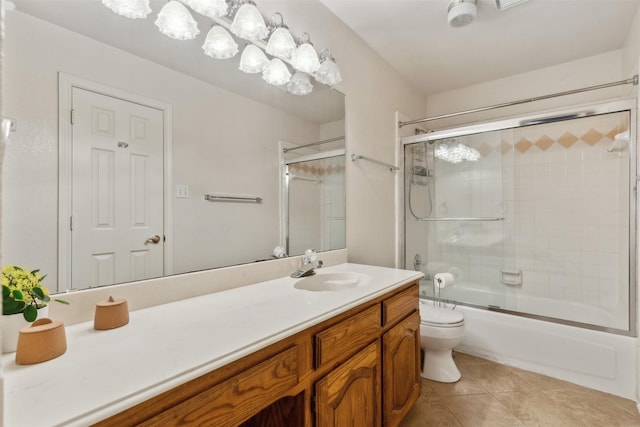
(439, 366)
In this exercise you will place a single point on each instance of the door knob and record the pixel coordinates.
(155, 240)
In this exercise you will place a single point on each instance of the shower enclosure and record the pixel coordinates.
(533, 216)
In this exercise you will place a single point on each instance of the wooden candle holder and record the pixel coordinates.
(111, 314)
(43, 340)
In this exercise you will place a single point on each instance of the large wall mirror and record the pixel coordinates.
(133, 155)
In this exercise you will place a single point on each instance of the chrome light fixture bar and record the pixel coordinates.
(243, 19)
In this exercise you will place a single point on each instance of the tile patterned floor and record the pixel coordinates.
(494, 395)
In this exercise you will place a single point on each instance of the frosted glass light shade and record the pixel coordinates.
(134, 9)
(219, 44)
(281, 43)
(249, 23)
(175, 21)
(328, 73)
(253, 60)
(210, 8)
(300, 84)
(276, 73)
(305, 59)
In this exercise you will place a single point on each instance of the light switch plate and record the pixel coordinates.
(182, 191)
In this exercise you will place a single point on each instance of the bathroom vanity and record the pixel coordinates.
(264, 354)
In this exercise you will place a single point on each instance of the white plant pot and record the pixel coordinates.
(11, 325)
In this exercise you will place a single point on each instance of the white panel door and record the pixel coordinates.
(117, 207)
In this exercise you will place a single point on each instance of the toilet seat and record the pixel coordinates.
(440, 317)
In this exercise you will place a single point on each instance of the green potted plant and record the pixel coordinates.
(23, 292)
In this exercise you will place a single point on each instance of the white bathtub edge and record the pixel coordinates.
(598, 360)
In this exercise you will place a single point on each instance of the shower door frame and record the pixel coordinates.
(286, 182)
(549, 116)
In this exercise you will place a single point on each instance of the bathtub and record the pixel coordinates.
(594, 359)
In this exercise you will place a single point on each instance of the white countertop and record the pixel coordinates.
(105, 372)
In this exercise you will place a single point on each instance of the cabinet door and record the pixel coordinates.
(401, 367)
(350, 396)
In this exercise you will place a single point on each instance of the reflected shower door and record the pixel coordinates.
(315, 205)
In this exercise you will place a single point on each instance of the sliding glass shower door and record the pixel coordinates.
(530, 216)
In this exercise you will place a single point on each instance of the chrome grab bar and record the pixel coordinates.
(229, 198)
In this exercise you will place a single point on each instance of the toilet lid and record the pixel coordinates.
(432, 315)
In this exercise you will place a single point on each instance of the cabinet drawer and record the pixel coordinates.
(237, 398)
(399, 306)
(345, 338)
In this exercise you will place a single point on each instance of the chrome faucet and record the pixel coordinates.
(308, 265)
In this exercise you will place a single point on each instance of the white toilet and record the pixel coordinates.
(441, 329)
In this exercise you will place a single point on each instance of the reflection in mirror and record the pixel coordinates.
(157, 125)
(315, 202)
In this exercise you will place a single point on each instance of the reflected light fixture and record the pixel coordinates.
(305, 58)
(219, 44)
(300, 84)
(133, 9)
(276, 73)
(253, 60)
(281, 42)
(175, 21)
(461, 13)
(453, 151)
(210, 8)
(328, 73)
(249, 23)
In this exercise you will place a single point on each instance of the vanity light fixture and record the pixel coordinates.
(276, 73)
(249, 23)
(305, 58)
(219, 44)
(300, 84)
(133, 9)
(175, 21)
(253, 60)
(281, 42)
(210, 8)
(243, 19)
(328, 73)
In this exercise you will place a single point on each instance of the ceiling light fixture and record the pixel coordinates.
(300, 84)
(253, 60)
(461, 12)
(219, 44)
(175, 21)
(305, 58)
(243, 19)
(281, 42)
(133, 9)
(276, 73)
(249, 23)
(210, 8)
(328, 73)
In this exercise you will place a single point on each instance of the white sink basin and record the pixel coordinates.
(332, 282)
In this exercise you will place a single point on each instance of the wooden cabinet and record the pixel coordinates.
(401, 362)
(359, 368)
(350, 395)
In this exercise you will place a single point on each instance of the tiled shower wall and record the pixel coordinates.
(565, 202)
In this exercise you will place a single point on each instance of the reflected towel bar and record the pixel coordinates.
(229, 198)
(386, 165)
(497, 218)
